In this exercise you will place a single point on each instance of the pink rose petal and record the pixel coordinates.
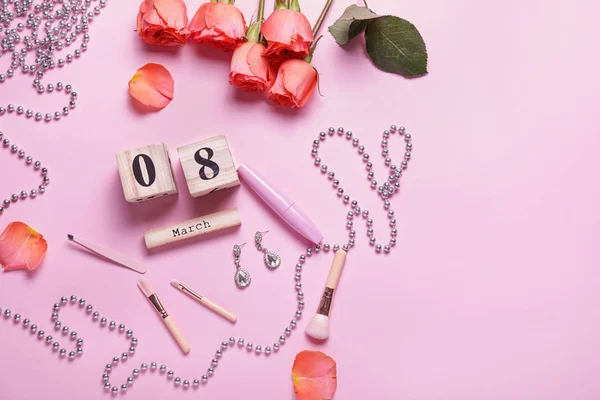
(21, 247)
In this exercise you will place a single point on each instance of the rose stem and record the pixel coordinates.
(322, 17)
(261, 15)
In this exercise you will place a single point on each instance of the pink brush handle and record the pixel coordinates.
(219, 310)
(336, 269)
(185, 347)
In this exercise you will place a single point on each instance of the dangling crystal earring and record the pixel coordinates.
(272, 260)
(242, 277)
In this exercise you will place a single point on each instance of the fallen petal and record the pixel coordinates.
(315, 376)
(21, 247)
(152, 85)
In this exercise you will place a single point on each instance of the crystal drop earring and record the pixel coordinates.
(242, 277)
(271, 259)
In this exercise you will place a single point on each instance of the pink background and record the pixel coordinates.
(492, 291)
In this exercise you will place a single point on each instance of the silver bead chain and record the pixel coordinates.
(24, 194)
(385, 192)
(62, 22)
(153, 368)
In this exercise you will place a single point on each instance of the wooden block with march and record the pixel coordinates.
(208, 166)
(193, 228)
(146, 173)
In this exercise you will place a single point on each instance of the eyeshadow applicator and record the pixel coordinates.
(318, 327)
(146, 288)
(203, 300)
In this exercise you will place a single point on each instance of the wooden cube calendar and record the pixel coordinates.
(146, 173)
(208, 166)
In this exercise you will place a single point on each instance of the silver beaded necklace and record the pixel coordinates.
(62, 22)
(385, 191)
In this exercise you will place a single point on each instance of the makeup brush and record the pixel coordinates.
(145, 286)
(110, 254)
(318, 327)
(204, 301)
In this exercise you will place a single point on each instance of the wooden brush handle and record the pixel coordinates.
(219, 310)
(185, 347)
(336, 269)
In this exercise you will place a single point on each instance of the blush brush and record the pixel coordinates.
(318, 327)
(203, 300)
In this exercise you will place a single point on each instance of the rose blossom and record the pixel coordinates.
(221, 25)
(288, 34)
(250, 71)
(295, 83)
(163, 22)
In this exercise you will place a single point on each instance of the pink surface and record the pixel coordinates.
(491, 293)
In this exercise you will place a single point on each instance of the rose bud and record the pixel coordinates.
(295, 83)
(163, 22)
(250, 71)
(221, 25)
(288, 34)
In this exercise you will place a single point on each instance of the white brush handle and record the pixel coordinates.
(185, 347)
(336, 269)
(219, 310)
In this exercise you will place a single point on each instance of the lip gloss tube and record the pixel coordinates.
(282, 205)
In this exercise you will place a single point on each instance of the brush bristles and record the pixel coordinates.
(70, 237)
(146, 287)
(318, 327)
(175, 283)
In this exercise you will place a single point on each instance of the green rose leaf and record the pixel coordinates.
(395, 45)
(351, 23)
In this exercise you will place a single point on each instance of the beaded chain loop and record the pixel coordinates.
(28, 161)
(385, 192)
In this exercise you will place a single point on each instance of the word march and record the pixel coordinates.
(191, 229)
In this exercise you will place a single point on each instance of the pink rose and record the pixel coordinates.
(288, 35)
(295, 84)
(250, 71)
(163, 22)
(218, 24)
